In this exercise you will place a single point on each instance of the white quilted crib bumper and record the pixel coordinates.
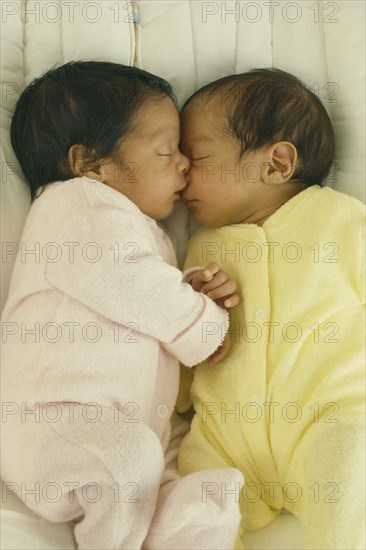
(190, 43)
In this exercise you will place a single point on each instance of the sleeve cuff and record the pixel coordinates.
(203, 337)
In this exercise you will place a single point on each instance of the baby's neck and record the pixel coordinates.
(278, 198)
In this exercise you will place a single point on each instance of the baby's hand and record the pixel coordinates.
(220, 352)
(215, 283)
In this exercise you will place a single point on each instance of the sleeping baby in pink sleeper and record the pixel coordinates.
(98, 318)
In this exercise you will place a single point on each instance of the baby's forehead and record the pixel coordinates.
(156, 119)
(201, 122)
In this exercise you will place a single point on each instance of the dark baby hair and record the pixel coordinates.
(92, 103)
(263, 106)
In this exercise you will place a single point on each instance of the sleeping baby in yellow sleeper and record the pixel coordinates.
(286, 405)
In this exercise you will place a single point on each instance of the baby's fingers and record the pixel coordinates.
(203, 276)
(210, 270)
(230, 301)
(224, 291)
(217, 280)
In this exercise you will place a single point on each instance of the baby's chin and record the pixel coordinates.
(164, 214)
(211, 220)
(207, 222)
(202, 215)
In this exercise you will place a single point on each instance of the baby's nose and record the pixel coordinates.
(185, 164)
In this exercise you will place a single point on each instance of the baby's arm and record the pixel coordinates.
(137, 287)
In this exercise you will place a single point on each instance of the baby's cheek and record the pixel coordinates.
(199, 174)
(252, 171)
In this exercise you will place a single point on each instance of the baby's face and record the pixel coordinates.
(154, 173)
(222, 189)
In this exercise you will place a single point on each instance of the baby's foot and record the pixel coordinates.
(197, 512)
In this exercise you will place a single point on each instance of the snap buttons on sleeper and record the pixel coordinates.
(255, 399)
(260, 314)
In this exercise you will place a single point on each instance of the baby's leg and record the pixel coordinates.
(190, 512)
(219, 481)
(104, 473)
(329, 470)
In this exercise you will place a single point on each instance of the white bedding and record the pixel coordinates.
(189, 43)
(24, 530)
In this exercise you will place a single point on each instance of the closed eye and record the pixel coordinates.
(165, 154)
(200, 158)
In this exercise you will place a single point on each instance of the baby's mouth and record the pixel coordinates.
(185, 198)
(189, 201)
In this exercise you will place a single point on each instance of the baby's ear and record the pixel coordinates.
(81, 164)
(281, 164)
